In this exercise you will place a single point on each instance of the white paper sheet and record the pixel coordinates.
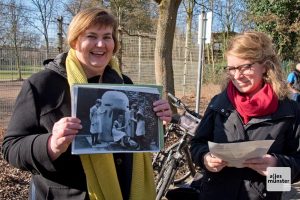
(236, 153)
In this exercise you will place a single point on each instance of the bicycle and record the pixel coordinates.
(174, 164)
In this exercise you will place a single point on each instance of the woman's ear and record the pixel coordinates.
(73, 44)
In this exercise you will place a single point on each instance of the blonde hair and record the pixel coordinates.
(91, 17)
(258, 47)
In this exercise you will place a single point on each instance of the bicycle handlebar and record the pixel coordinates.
(179, 104)
(189, 120)
(175, 99)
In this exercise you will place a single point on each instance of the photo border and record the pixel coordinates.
(116, 99)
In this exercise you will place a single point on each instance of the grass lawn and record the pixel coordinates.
(11, 73)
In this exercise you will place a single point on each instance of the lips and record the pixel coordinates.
(242, 83)
(99, 53)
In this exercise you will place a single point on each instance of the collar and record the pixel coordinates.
(221, 104)
(58, 64)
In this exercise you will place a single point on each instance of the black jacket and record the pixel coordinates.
(222, 124)
(42, 101)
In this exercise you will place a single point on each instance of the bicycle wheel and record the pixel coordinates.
(166, 179)
(162, 159)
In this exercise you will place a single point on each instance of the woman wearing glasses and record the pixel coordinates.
(253, 106)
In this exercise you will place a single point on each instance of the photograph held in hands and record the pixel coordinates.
(116, 118)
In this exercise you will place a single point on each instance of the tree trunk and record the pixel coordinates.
(18, 61)
(164, 44)
(16, 48)
(120, 53)
(213, 59)
(188, 35)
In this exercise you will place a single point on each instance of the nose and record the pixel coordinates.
(100, 43)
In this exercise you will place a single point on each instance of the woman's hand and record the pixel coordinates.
(163, 110)
(63, 133)
(213, 163)
(261, 164)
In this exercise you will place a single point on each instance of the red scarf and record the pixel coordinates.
(264, 102)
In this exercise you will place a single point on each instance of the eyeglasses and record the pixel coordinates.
(244, 69)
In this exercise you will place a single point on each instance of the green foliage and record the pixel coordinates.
(280, 19)
(214, 75)
(287, 67)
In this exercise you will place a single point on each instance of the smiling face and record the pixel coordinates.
(247, 83)
(94, 49)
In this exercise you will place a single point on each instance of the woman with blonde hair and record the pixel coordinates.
(252, 106)
(41, 129)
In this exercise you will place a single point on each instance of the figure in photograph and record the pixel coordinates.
(118, 130)
(119, 134)
(140, 130)
(293, 81)
(96, 113)
(253, 105)
(41, 128)
(132, 119)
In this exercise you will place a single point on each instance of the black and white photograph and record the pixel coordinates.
(116, 118)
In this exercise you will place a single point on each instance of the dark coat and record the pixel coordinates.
(42, 101)
(222, 124)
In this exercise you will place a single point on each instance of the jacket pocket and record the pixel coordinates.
(55, 193)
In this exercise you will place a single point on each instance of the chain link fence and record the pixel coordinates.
(138, 64)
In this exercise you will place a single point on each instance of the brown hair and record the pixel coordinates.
(258, 47)
(91, 17)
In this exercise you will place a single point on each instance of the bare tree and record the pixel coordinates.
(15, 21)
(164, 43)
(74, 6)
(45, 9)
(134, 16)
(3, 28)
(189, 6)
(229, 17)
(119, 8)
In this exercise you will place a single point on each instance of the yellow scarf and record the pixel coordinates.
(102, 180)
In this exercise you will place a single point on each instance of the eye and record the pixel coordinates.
(107, 37)
(245, 66)
(229, 68)
(91, 36)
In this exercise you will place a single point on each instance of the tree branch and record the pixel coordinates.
(136, 34)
